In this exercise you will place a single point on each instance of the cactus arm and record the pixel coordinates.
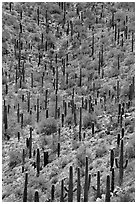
(116, 162)
(66, 188)
(125, 164)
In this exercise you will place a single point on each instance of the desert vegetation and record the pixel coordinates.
(68, 101)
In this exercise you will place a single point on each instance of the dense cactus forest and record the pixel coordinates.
(68, 101)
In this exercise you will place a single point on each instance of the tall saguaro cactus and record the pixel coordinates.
(46, 156)
(121, 165)
(80, 124)
(62, 196)
(112, 179)
(118, 91)
(23, 160)
(38, 15)
(132, 42)
(70, 190)
(37, 110)
(52, 192)
(111, 159)
(25, 188)
(78, 185)
(30, 143)
(107, 198)
(98, 185)
(99, 64)
(86, 182)
(38, 162)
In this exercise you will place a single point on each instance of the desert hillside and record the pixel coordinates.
(68, 91)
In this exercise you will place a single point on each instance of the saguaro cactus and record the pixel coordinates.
(31, 80)
(56, 104)
(122, 132)
(23, 160)
(107, 198)
(21, 120)
(52, 192)
(99, 64)
(121, 165)
(62, 196)
(89, 181)
(93, 128)
(70, 189)
(38, 15)
(80, 124)
(45, 158)
(132, 42)
(10, 6)
(37, 110)
(78, 185)
(86, 182)
(98, 185)
(58, 149)
(118, 90)
(36, 196)
(18, 136)
(118, 140)
(38, 162)
(18, 113)
(115, 31)
(30, 143)
(80, 77)
(111, 159)
(112, 180)
(5, 118)
(46, 97)
(62, 119)
(25, 188)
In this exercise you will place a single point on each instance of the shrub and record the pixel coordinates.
(4, 80)
(127, 122)
(69, 120)
(129, 60)
(100, 151)
(15, 158)
(88, 119)
(30, 197)
(81, 155)
(48, 126)
(65, 160)
(125, 198)
(27, 119)
(71, 83)
(38, 182)
(131, 128)
(130, 150)
(82, 152)
(44, 140)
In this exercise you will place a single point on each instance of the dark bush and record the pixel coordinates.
(15, 158)
(69, 120)
(48, 126)
(100, 151)
(88, 119)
